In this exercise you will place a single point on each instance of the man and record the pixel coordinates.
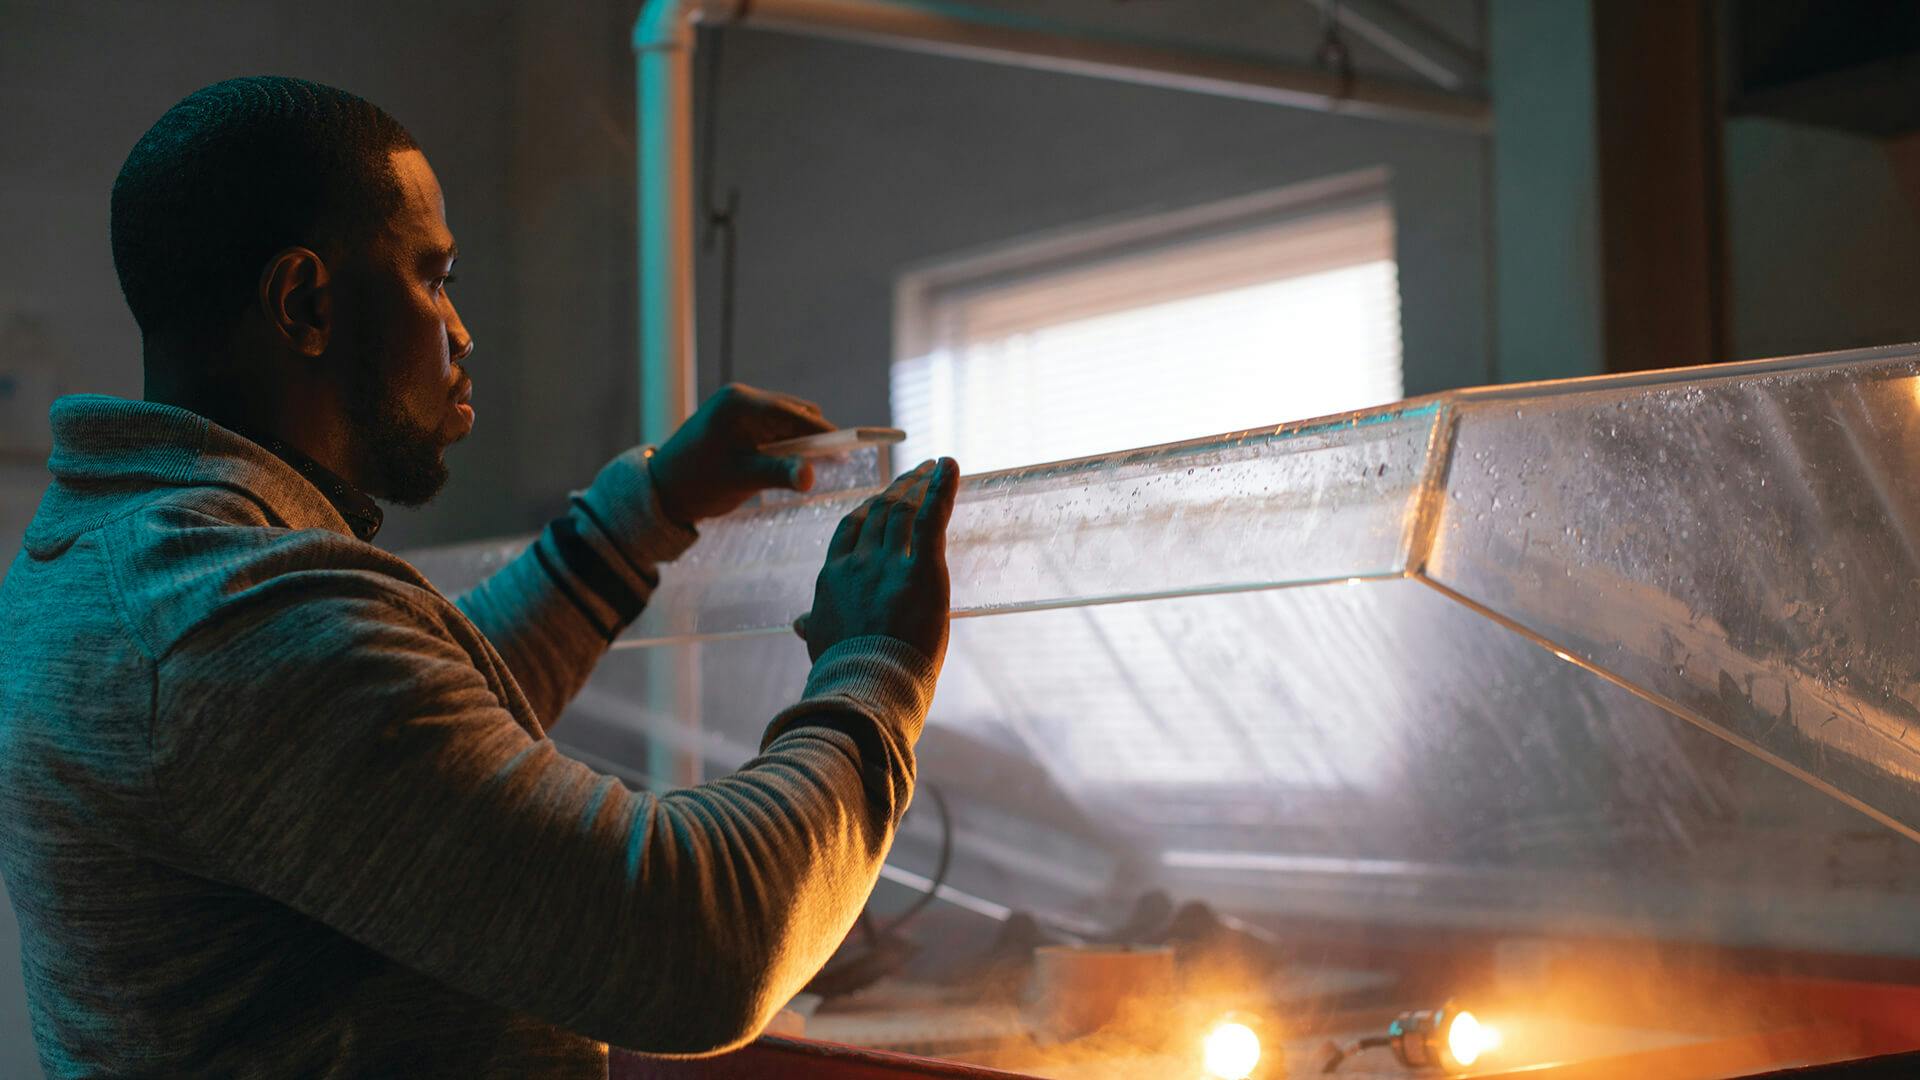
(269, 804)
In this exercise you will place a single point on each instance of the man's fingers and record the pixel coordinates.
(874, 533)
(784, 417)
(801, 403)
(847, 536)
(770, 416)
(900, 521)
(936, 510)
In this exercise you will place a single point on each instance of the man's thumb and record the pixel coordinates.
(793, 473)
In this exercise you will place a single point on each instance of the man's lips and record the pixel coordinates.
(462, 396)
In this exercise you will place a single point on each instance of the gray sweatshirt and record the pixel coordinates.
(270, 805)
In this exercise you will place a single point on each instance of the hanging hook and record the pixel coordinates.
(1333, 54)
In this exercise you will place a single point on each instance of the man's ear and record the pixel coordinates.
(296, 296)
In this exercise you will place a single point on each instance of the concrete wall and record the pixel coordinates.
(1546, 196)
(1824, 238)
(526, 113)
(889, 159)
(522, 114)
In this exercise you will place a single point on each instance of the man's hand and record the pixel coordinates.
(713, 463)
(886, 570)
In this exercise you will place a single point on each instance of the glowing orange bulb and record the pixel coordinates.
(1231, 1050)
(1468, 1038)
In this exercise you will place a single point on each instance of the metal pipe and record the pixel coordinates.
(663, 38)
(1026, 43)
(663, 41)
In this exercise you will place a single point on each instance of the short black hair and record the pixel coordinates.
(233, 174)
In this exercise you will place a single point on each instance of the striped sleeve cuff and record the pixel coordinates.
(623, 505)
(603, 553)
(878, 677)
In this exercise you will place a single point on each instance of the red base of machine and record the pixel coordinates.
(798, 1059)
(1868, 1029)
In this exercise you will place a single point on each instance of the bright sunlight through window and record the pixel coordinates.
(1237, 316)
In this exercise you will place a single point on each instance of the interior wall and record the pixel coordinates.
(1824, 238)
(525, 111)
(83, 81)
(889, 159)
(1549, 307)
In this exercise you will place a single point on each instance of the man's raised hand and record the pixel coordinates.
(886, 568)
(713, 463)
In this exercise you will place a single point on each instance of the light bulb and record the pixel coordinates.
(1449, 1038)
(1231, 1050)
(1468, 1038)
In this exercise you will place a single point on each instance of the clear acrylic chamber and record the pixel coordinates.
(1589, 702)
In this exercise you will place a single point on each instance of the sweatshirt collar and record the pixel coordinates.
(354, 506)
(103, 443)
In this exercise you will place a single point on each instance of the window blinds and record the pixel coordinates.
(1189, 338)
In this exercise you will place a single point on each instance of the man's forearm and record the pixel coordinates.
(552, 611)
(685, 920)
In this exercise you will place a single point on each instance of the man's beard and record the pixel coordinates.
(409, 461)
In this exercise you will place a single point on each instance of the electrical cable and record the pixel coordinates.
(721, 218)
(940, 869)
(1337, 1054)
(883, 951)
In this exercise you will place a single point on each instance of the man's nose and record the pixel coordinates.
(460, 343)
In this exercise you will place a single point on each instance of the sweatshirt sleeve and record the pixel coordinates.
(554, 609)
(337, 749)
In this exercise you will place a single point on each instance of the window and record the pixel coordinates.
(1242, 314)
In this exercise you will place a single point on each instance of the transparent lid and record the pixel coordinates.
(1629, 656)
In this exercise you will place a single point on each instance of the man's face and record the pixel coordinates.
(408, 398)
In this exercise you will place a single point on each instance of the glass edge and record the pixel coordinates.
(1669, 706)
(1430, 494)
(1730, 369)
